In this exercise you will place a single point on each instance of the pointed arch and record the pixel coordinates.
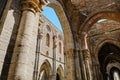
(45, 71)
(108, 54)
(100, 44)
(60, 73)
(112, 15)
(68, 36)
(64, 23)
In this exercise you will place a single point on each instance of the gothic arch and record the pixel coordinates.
(112, 15)
(60, 72)
(68, 36)
(110, 66)
(114, 73)
(64, 23)
(108, 55)
(46, 67)
(100, 44)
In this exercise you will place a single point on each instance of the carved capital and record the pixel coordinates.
(31, 5)
(40, 33)
(55, 41)
(86, 54)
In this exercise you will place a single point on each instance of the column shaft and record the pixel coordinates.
(23, 48)
(54, 57)
(77, 64)
(23, 58)
(86, 56)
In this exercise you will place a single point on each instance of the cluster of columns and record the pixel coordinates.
(37, 55)
(87, 67)
(54, 57)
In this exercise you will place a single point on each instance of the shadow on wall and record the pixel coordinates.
(15, 7)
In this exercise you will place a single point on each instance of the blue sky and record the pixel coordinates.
(101, 20)
(50, 14)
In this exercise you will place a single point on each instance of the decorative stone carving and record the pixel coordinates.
(55, 41)
(86, 54)
(40, 33)
(31, 5)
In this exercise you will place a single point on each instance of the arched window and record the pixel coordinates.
(48, 28)
(48, 40)
(60, 48)
(45, 71)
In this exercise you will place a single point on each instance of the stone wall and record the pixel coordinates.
(8, 35)
(47, 52)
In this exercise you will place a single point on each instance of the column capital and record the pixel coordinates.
(86, 54)
(54, 41)
(31, 5)
(40, 35)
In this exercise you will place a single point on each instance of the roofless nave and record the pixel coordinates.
(91, 49)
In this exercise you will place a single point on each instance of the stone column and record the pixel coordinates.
(37, 55)
(96, 71)
(86, 56)
(77, 64)
(69, 65)
(24, 52)
(54, 56)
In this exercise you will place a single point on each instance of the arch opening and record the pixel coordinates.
(60, 73)
(68, 36)
(57, 77)
(108, 54)
(114, 73)
(91, 20)
(65, 27)
(45, 71)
